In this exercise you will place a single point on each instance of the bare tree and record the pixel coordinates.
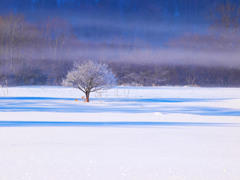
(11, 38)
(55, 34)
(226, 16)
(90, 76)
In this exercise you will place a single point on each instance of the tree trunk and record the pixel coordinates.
(87, 96)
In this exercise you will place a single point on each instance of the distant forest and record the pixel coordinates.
(51, 73)
(40, 50)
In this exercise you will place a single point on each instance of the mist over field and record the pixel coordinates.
(45, 37)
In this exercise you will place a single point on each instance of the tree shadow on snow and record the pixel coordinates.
(118, 105)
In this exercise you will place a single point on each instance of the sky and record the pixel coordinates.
(156, 31)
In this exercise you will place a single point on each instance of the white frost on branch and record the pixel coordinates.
(90, 76)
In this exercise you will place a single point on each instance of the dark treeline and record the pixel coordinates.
(51, 73)
(176, 75)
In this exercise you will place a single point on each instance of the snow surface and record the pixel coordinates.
(140, 133)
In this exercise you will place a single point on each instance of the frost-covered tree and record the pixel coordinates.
(90, 76)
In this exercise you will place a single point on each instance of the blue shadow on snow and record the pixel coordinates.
(108, 124)
(67, 105)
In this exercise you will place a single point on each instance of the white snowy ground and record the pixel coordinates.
(166, 133)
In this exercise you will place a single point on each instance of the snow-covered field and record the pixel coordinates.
(167, 133)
